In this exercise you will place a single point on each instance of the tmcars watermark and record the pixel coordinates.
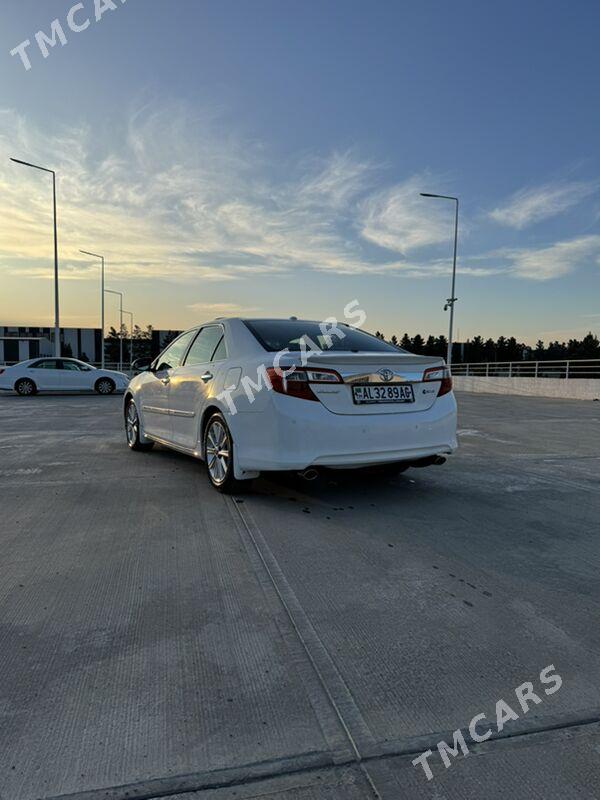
(77, 20)
(479, 731)
(329, 328)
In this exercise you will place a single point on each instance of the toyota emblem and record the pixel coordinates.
(386, 374)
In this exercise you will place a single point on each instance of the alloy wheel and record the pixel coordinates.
(132, 425)
(26, 388)
(105, 387)
(218, 452)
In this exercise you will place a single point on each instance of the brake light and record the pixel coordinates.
(297, 383)
(441, 374)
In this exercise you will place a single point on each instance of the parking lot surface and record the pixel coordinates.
(304, 641)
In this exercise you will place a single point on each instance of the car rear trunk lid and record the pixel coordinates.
(374, 369)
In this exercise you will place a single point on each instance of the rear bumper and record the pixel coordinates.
(295, 434)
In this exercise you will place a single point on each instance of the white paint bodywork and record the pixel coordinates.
(280, 432)
(80, 379)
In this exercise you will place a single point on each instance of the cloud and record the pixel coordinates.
(171, 197)
(336, 181)
(399, 219)
(555, 260)
(532, 205)
(222, 309)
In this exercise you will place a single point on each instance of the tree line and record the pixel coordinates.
(141, 340)
(505, 348)
(502, 349)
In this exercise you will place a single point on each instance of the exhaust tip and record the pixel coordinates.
(310, 474)
(430, 461)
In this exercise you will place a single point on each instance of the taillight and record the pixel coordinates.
(322, 375)
(297, 383)
(441, 374)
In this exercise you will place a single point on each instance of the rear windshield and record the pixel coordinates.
(277, 334)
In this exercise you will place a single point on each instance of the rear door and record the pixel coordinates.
(154, 392)
(45, 374)
(192, 383)
(394, 382)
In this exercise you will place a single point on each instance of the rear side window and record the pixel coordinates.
(281, 334)
(205, 345)
(220, 353)
(49, 363)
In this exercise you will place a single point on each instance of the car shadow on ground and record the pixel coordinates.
(353, 489)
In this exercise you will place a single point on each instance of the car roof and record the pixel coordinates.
(262, 319)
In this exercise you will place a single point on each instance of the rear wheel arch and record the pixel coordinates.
(226, 483)
(20, 383)
(206, 415)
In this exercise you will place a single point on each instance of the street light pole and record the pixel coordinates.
(56, 304)
(452, 299)
(95, 255)
(110, 291)
(130, 339)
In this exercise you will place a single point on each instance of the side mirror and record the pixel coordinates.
(141, 365)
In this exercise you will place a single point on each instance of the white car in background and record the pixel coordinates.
(218, 393)
(60, 375)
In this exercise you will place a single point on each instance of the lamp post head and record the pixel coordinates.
(440, 196)
(94, 255)
(35, 166)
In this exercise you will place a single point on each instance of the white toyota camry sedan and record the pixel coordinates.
(60, 375)
(253, 395)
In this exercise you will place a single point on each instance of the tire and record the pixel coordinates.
(132, 430)
(25, 387)
(104, 386)
(218, 454)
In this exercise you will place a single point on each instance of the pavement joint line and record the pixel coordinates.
(540, 730)
(338, 693)
(229, 777)
(521, 731)
(233, 777)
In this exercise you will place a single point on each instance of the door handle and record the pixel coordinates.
(166, 380)
(208, 376)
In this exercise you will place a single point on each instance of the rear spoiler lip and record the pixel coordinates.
(399, 360)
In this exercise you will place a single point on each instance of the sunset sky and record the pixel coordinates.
(265, 157)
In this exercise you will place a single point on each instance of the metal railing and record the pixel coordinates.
(572, 368)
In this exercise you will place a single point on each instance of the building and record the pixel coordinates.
(20, 348)
(18, 343)
(160, 339)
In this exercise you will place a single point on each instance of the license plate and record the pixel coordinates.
(383, 393)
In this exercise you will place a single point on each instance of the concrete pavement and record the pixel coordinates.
(302, 641)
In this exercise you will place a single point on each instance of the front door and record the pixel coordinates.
(72, 378)
(191, 384)
(154, 392)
